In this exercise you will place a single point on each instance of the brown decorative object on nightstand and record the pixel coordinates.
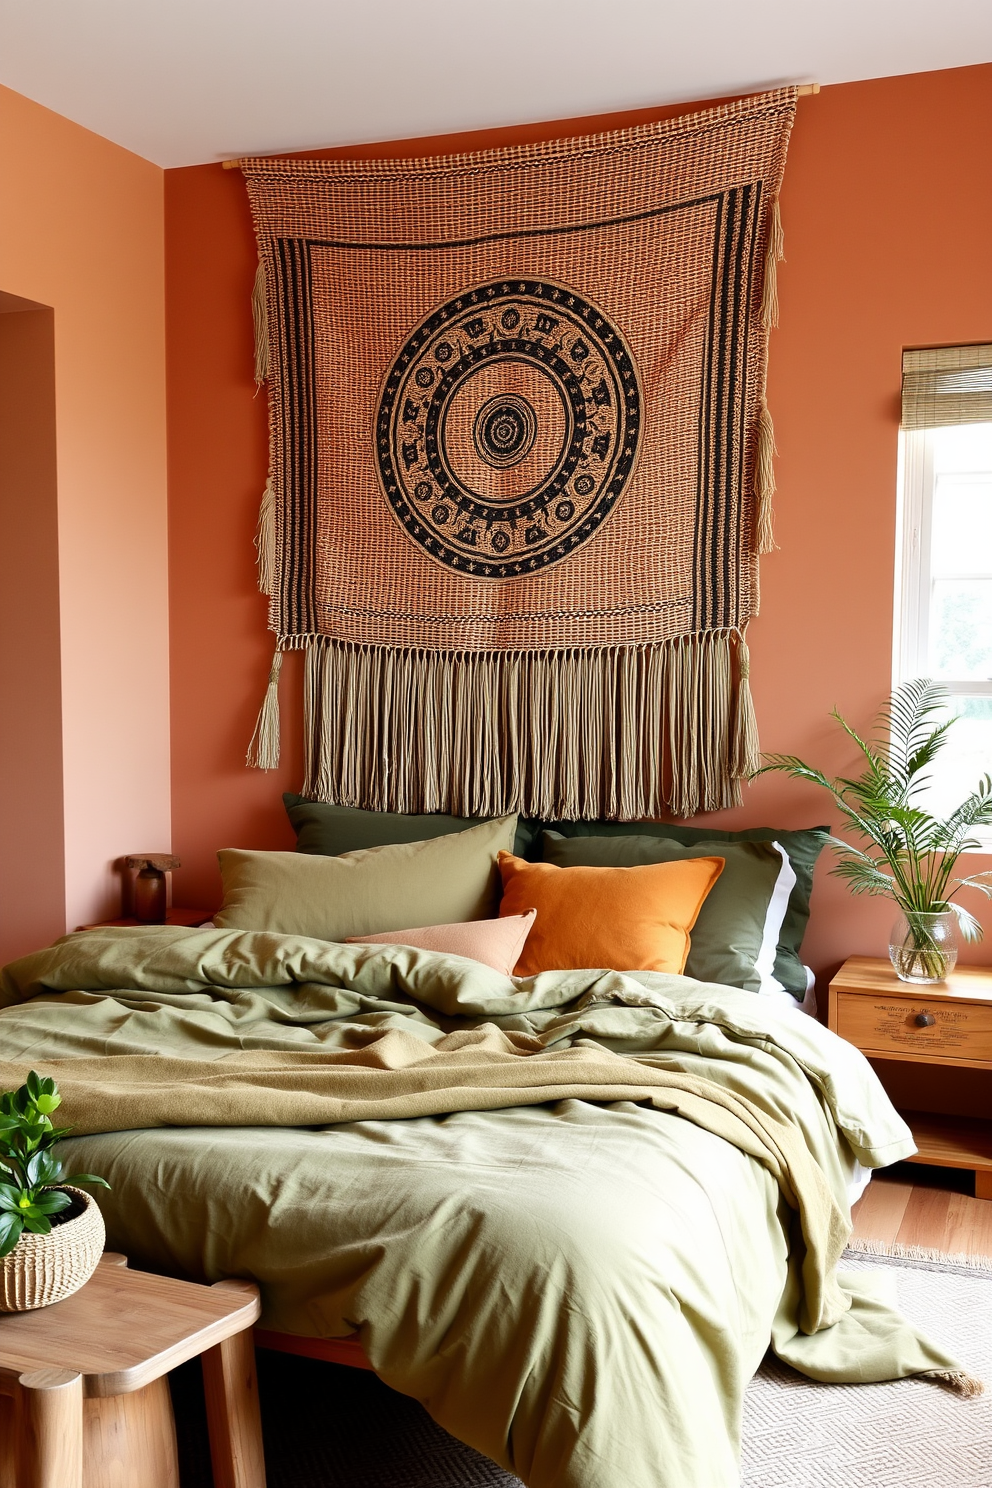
(948, 1024)
(151, 886)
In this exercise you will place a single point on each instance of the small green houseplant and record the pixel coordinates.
(910, 855)
(35, 1195)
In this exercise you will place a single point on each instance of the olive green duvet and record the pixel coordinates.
(568, 1214)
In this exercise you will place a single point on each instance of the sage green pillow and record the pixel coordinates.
(438, 882)
(324, 828)
(735, 937)
(802, 846)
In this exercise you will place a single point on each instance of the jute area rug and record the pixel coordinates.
(799, 1434)
(330, 1427)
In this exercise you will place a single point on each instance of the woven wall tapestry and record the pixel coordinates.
(521, 464)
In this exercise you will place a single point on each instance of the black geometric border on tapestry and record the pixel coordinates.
(724, 452)
(575, 350)
(725, 457)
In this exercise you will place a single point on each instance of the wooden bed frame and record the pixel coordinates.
(331, 1350)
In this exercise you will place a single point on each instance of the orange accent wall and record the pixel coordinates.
(32, 859)
(83, 234)
(887, 219)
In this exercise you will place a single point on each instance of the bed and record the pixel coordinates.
(567, 1212)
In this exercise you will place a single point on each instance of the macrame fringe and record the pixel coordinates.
(260, 317)
(624, 732)
(263, 751)
(774, 254)
(265, 540)
(764, 481)
(919, 1253)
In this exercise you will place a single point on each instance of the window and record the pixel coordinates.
(943, 621)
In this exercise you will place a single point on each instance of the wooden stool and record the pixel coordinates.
(84, 1402)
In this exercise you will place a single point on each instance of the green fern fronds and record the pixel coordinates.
(911, 854)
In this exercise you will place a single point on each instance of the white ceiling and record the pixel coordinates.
(187, 81)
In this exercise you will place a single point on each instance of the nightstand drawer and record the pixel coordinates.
(887, 1025)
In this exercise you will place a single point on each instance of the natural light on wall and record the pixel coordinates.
(943, 618)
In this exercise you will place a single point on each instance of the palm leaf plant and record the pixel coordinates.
(910, 855)
(29, 1170)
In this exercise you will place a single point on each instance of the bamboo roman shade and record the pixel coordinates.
(944, 385)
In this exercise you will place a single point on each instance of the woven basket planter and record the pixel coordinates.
(45, 1268)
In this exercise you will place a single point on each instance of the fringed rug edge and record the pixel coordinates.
(929, 1255)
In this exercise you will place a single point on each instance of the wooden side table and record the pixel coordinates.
(179, 915)
(83, 1394)
(948, 1023)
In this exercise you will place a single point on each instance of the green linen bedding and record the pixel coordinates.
(567, 1214)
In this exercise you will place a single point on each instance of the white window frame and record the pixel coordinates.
(914, 521)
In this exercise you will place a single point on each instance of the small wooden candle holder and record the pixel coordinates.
(151, 886)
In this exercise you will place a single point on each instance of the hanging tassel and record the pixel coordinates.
(774, 254)
(962, 1384)
(764, 456)
(260, 316)
(265, 540)
(744, 749)
(764, 481)
(263, 751)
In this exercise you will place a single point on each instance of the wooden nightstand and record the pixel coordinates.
(947, 1024)
(176, 916)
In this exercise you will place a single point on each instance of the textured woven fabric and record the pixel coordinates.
(517, 408)
(800, 1434)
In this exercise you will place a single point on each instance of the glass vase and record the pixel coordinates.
(923, 945)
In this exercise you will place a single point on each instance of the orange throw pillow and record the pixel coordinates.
(626, 919)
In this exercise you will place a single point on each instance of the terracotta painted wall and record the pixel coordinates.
(82, 233)
(887, 219)
(32, 854)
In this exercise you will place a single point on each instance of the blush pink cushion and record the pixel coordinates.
(496, 943)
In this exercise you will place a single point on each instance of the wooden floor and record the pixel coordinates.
(924, 1206)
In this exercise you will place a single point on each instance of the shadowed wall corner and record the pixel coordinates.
(32, 844)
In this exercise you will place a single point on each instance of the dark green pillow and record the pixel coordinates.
(803, 848)
(735, 938)
(329, 830)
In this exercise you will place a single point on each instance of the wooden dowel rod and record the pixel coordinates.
(805, 90)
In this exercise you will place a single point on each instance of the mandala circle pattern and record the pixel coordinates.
(508, 427)
(505, 430)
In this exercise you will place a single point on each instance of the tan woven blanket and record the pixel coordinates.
(521, 462)
(399, 1076)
